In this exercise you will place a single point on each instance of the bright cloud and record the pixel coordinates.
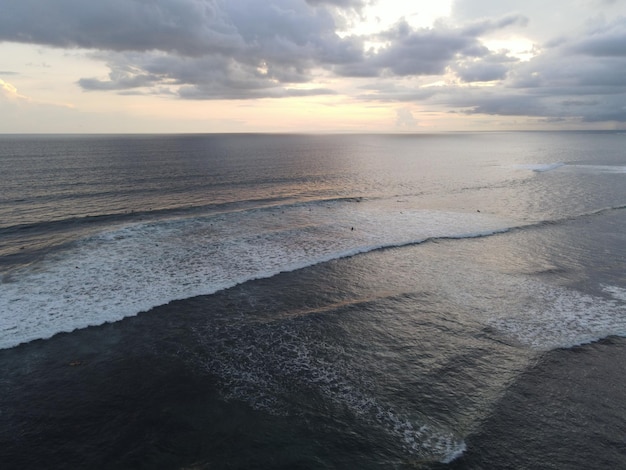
(9, 90)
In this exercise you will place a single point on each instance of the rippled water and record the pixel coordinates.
(310, 301)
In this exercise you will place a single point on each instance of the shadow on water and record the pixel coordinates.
(566, 411)
(329, 367)
(107, 398)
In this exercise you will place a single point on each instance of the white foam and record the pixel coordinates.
(529, 310)
(267, 365)
(540, 167)
(134, 268)
(557, 317)
(617, 293)
(600, 168)
(544, 167)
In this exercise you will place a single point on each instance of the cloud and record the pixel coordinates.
(427, 51)
(604, 3)
(243, 45)
(424, 51)
(212, 92)
(480, 71)
(205, 47)
(12, 103)
(210, 77)
(405, 119)
(580, 77)
(249, 49)
(273, 47)
(482, 101)
(389, 91)
(490, 68)
(556, 84)
(9, 91)
(184, 26)
(604, 40)
(345, 4)
(591, 63)
(486, 25)
(190, 28)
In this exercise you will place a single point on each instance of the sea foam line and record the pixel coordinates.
(131, 269)
(545, 167)
(558, 317)
(262, 365)
(540, 167)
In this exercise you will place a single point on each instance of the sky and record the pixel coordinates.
(136, 66)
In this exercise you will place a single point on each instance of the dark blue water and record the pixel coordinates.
(267, 301)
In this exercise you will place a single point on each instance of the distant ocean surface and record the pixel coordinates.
(442, 301)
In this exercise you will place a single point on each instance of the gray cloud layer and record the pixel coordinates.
(243, 49)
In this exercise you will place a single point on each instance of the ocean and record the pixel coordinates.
(445, 301)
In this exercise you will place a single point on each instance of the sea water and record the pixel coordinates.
(312, 301)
